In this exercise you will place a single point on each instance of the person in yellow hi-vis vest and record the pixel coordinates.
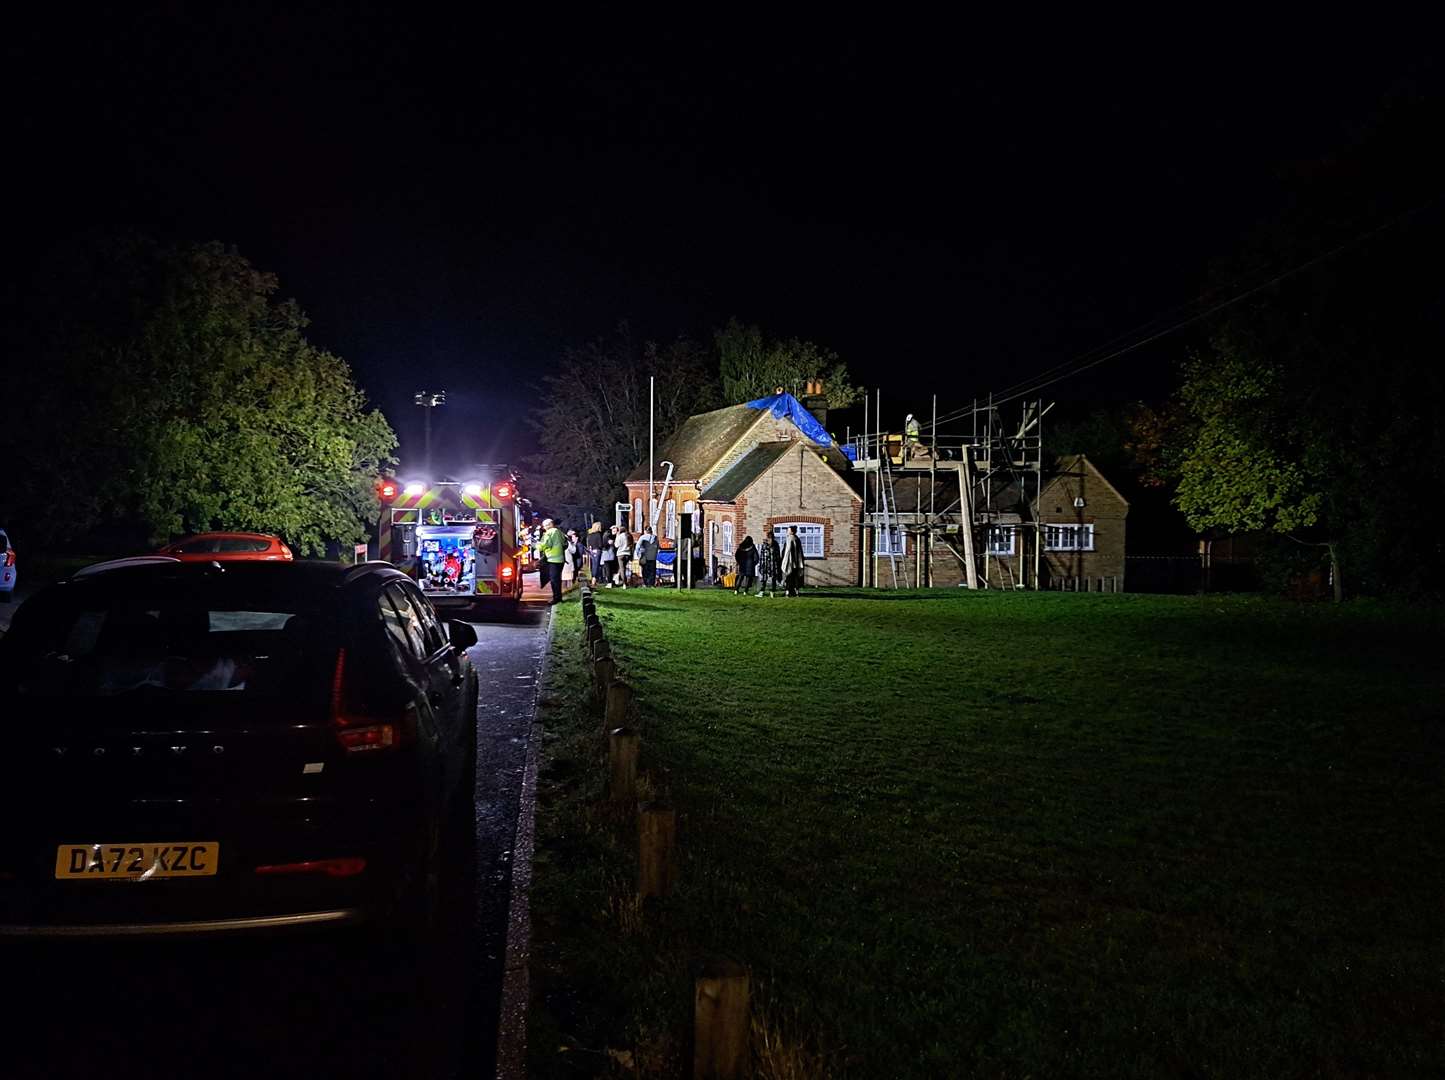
(554, 548)
(910, 436)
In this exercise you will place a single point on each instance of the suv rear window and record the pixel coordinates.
(235, 544)
(172, 636)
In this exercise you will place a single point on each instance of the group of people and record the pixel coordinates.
(770, 565)
(613, 556)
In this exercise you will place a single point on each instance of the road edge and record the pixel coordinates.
(512, 1015)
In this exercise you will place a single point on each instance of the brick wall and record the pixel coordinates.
(1102, 508)
(800, 487)
(944, 571)
(679, 492)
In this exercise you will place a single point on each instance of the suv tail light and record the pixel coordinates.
(357, 731)
(10, 557)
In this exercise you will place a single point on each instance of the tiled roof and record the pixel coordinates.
(700, 442)
(751, 466)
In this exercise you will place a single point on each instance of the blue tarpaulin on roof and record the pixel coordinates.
(786, 406)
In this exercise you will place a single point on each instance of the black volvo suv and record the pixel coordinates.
(197, 747)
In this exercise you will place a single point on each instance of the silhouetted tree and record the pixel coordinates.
(594, 427)
(750, 366)
(165, 385)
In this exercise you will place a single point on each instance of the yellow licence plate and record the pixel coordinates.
(139, 862)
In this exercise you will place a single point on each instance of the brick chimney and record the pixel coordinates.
(815, 400)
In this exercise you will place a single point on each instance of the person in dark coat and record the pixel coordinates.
(792, 561)
(595, 543)
(769, 559)
(647, 556)
(746, 557)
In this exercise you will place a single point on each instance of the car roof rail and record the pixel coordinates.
(371, 566)
(122, 564)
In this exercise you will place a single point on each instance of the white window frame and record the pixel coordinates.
(1068, 537)
(995, 537)
(892, 541)
(728, 536)
(809, 532)
(636, 523)
(672, 519)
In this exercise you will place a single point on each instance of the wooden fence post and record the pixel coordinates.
(656, 838)
(619, 696)
(602, 670)
(622, 747)
(721, 1022)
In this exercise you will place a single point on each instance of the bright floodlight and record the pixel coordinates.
(473, 490)
(416, 487)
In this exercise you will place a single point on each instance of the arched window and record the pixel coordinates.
(636, 523)
(727, 540)
(690, 507)
(672, 519)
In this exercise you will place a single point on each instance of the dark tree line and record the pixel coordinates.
(159, 389)
(1309, 414)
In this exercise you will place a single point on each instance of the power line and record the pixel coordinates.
(1141, 328)
(1033, 385)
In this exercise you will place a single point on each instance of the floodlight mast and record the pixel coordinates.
(428, 400)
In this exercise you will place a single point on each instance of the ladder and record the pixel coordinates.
(1006, 575)
(890, 504)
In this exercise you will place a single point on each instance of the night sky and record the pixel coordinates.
(950, 210)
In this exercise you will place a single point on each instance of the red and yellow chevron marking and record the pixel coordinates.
(412, 510)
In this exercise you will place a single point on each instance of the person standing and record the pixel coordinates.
(792, 562)
(609, 556)
(552, 548)
(698, 564)
(623, 545)
(769, 558)
(569, 558)
(746, 558)
(910, 437)
(647, 556)
(595, 543)
(534, 548)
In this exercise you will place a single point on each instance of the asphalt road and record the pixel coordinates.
(317, 1005)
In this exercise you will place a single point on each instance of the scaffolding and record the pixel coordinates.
(990, 522)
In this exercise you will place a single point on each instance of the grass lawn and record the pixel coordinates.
(1006, 834)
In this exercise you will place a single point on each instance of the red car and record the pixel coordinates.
(229, 547)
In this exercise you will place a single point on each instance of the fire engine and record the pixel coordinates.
(458, 539)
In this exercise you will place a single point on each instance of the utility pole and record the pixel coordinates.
(648, 515)
(428, 400)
